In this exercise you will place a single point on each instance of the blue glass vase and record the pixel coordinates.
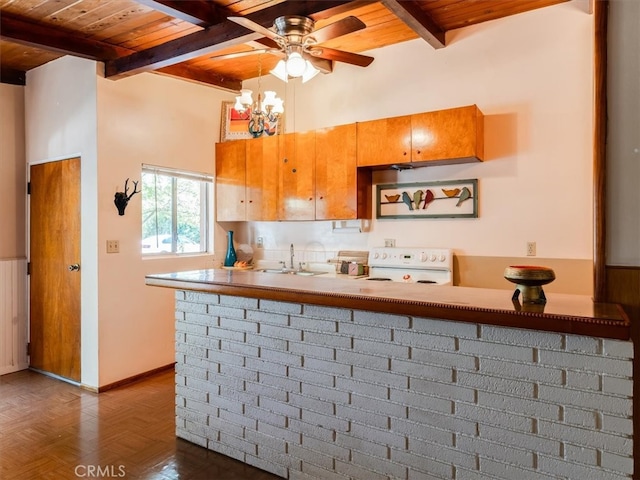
(231, 257)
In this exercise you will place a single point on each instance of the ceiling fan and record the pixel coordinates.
(296, 38)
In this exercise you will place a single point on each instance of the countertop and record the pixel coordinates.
(563, 313)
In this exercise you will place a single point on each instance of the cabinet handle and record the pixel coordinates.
(74, 267)
(250, 201)
(321, 198)
(418, 152)
(241, 201)
(310, 198)
(404, 153)
(294, 170)
(285, 160)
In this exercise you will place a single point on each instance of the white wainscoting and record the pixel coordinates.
(13, 315)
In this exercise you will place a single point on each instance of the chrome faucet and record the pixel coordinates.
(292, 255)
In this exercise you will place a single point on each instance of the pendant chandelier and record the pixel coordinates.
(266, 113)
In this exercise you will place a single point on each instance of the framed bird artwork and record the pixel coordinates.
(444, 199)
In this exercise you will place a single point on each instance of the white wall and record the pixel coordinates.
(12, 172)
(536, 91)
(623, 139)
(115, 127)
(60, 110)
(157, 120)
(13, 263)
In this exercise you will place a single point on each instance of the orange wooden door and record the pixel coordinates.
(455, 133)
(55, 276)
(336, 173)
(262, 178)
(297, 176)
(230, 181)
(384, 142)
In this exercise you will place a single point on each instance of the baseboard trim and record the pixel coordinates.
(134, 378)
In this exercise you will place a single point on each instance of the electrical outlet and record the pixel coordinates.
(531, 249)
(260, 242)
(389, 242)
(113, 246)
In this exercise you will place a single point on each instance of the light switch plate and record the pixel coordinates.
(113, 246)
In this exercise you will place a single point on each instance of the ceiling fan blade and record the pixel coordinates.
(337, 29)
(267, 42)
(322, 64)
(341, 56)
(256, 27)
(229, 56)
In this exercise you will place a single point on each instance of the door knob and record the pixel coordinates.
(74, 268)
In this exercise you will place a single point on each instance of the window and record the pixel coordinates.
(176, 211)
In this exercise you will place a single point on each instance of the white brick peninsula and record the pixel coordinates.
(313, 378)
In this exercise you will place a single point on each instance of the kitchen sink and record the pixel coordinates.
(307, 273)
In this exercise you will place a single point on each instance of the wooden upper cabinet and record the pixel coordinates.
(262, 161)
(384, 142)
(230, 181)
(296, 195)
(342, 191)
(448, 136)
(315, 175)
(455, 135)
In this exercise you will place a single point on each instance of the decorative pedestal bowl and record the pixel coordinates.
(529, 280)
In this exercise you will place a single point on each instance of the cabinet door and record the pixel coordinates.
(262, 179)
(384, 142)
(447, 136)
(297, 176)
(336, 173)
(230, 181)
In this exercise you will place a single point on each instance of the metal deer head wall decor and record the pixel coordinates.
(122, 198)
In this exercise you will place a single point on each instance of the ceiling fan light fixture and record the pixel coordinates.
(280, 71)
(309, 72)
(296, 65)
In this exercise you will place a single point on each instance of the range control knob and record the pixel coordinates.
(376, 255)
(443, 258)
(432, 258)
(384, 255)
(423, 257)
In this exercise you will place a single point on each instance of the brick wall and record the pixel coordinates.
(314, 392)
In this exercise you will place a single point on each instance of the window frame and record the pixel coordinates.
(206, 208)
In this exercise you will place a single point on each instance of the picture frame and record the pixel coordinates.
(234, 125)
(442, 199)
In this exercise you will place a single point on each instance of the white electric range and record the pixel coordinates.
(411, 265)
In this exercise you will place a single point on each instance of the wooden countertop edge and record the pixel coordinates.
(594, 327)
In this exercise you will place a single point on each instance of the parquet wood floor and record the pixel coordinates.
(53, 430)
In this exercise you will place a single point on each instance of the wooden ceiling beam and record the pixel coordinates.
(19, 30)
(410, 12)
(210, 40)
(198, 12)
(198, 75)
(12, 76)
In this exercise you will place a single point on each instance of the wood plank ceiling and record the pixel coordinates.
(179, 38)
